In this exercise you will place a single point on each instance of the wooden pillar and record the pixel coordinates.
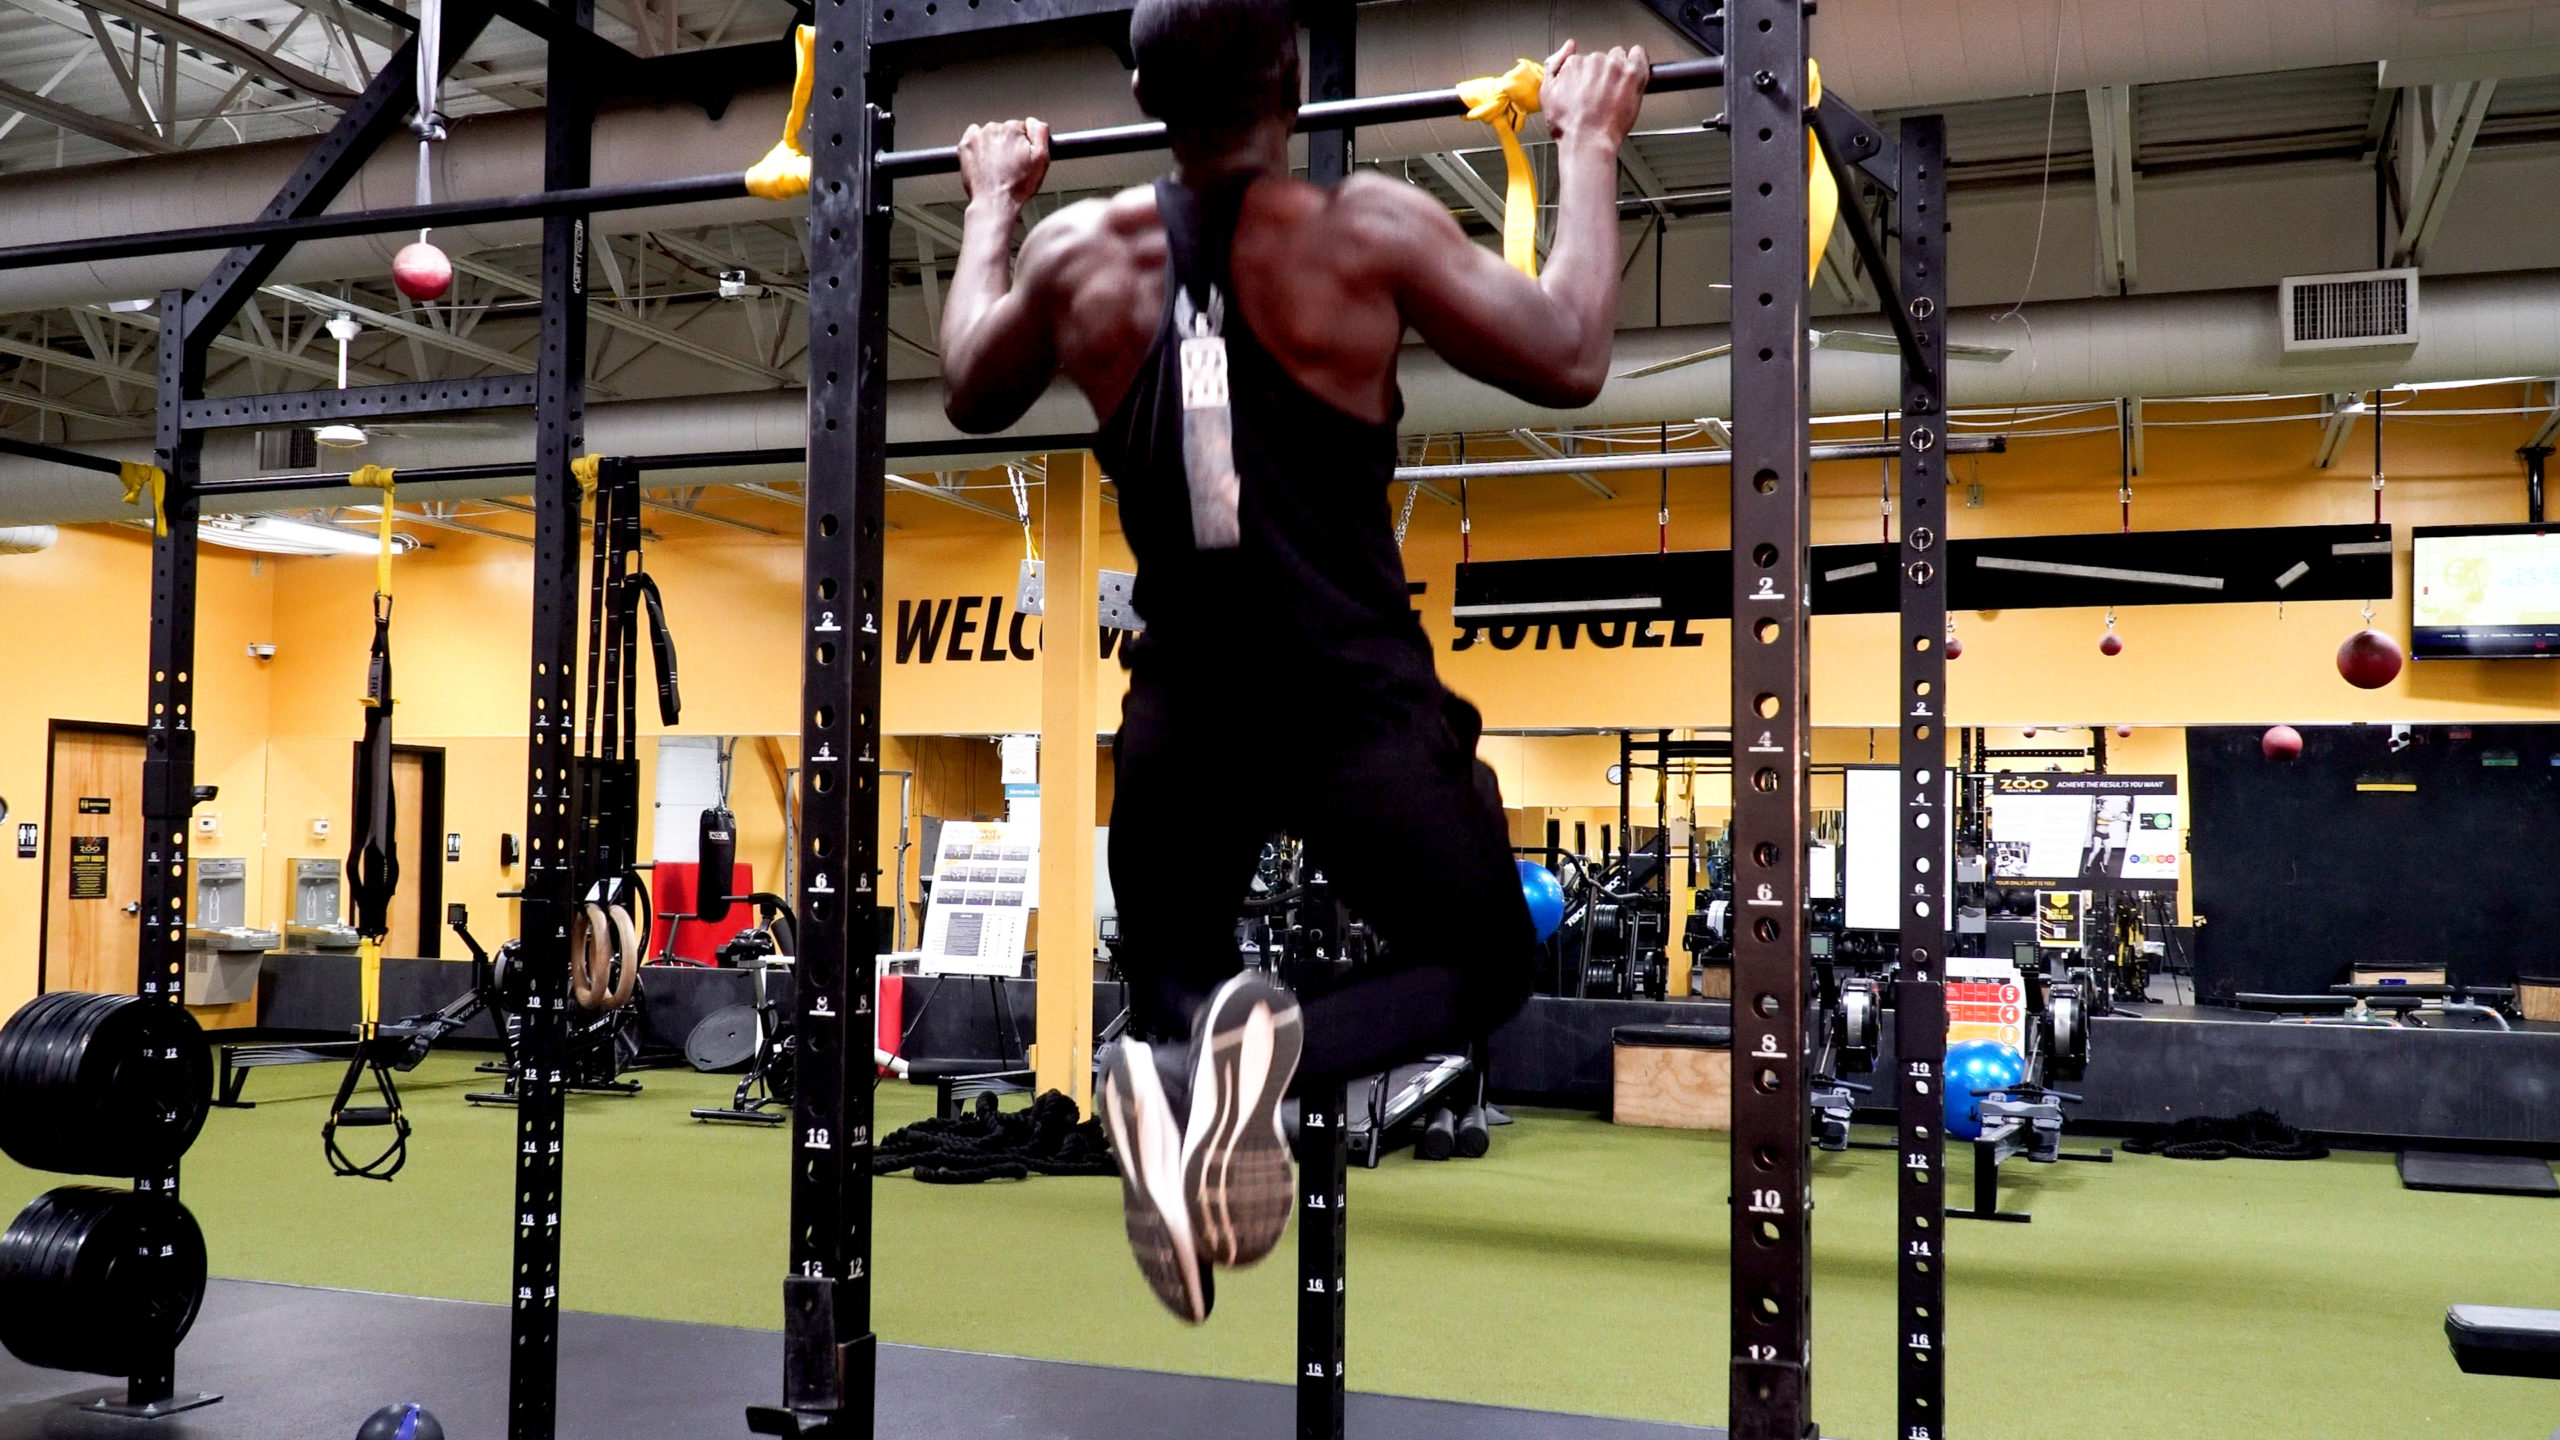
(1070, 711)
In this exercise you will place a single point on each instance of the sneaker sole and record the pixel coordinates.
(1152, 1207)
(1238, 1169)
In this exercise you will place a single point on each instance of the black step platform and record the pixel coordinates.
(2477, 1174)
(2498, 1340)
(304, 1364)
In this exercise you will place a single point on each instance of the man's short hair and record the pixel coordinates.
(1210, 65)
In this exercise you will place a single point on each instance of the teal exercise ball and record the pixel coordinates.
(1977, 1065)
(1546, 898)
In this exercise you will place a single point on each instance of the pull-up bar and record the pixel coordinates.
(701, 189)
(1316, 115)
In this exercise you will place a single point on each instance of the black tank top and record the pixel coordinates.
(1313, 578)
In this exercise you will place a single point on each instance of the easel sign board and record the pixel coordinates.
(986, 880)
(1986, 1000)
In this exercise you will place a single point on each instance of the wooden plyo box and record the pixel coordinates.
(1673, 1076)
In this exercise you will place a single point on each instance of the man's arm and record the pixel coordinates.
(999, 347)
(1544, 340)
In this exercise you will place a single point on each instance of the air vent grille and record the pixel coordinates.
(2349, 312)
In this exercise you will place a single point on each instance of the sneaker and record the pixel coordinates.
(1147, 1138)
(1235, 1158)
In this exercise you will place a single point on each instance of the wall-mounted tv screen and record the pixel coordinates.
(2485, 592)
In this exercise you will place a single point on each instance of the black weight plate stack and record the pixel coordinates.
(102, 1084)
(106, 1281)
(725, 1040)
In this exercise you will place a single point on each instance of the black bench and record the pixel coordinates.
(2498, 1340)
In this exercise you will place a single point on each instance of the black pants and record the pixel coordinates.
(1382, 783)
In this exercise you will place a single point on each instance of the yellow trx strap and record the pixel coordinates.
(137, 477)
(1821, 192)
(369, 947)
(784, 170)
(588, 467)
(1504, 101)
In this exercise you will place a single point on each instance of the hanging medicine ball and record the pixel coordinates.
(2281, 742)
(101, 1084)
(106, 1281)
(1546, 898)
(2369, 659)
(407, 1420)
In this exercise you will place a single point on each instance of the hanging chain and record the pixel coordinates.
(1404, 521)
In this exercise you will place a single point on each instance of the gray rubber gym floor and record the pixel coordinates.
(301, 1364)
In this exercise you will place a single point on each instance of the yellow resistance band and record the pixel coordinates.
(784, 170)
(588, 467)
(1505, 101)
(378, 477)
(137, 477)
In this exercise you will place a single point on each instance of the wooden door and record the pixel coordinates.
(93, 861)
(417, 797)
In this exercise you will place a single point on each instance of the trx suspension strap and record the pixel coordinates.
(610, 931)
(784, 171)
(373, 877)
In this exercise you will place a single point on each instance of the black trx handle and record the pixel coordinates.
(662, 649)
(368, 1057)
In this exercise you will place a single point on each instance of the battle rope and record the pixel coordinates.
(2258, 1135)
(784, 171)
(1044, 1139)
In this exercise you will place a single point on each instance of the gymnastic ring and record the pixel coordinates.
(617, 993)
(589, 972)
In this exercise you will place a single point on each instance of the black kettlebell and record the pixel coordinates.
(406, 1420)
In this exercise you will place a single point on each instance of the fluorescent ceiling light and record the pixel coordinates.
(275, 535)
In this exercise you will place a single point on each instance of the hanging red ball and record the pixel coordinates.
(422, 271)
(2369, 659)
(1955, 648)
(2111, 643)
(2029, 732)
(2124, 732)
(2281, 742)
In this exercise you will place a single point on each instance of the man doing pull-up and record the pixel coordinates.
(1237, 329)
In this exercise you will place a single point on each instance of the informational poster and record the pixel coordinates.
(1986, 1000)
(2085, 832)
(986, 882)
(88, 867)
(2061, 918)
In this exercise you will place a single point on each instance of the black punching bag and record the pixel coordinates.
(716, 883)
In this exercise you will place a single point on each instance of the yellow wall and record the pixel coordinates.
(274, 734)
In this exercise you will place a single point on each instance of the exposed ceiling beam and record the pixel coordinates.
(81, 122)
(2334, 429)
(10, 395)
(2111, 145)
(234, 345)
(689, 512)
(931, 224)
(242, 55)
(1458, 175)
(947, 497)
(1540, 444)
(2453, 115)
(65, 360)
(609, 315)
(403, 326)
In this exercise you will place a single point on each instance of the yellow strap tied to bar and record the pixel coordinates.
(138, 477)
(378, 477)
(1504, 102)
(1821, 192)
(784, 171)
(587, 468)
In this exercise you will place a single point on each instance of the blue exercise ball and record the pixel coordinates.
(1546, 898)
(1977, 1065)
(406, 1420)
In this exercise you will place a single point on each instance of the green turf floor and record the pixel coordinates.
(1581, 1267)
